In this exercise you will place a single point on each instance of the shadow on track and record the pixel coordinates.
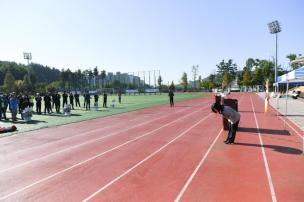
(277, 148)
(264, 131)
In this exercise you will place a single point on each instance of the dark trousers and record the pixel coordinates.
(57, 106)
(72, 104)
(104, 104)
(64, 102)
(38, 108)
(88, 104)
(232, 131)
(77, 102)
(171, 102)
(47, 107)
(3, 113)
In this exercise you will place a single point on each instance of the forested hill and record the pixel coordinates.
(39, 73)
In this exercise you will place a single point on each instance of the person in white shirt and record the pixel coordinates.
(233, 118)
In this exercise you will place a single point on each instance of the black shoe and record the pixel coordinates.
(229, 142)
(226, 141)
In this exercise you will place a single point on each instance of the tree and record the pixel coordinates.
(64, 78)
(102, 76)
(9, 82)
(268, 70)
(27, 84)
(251, 63)
(172, 86)
(184, 81)
(211, 81)
(95, 73)
(258, 77)
(200, 81)
(226, 80)
(246, 77)
(69, 75)
(19, 86)
(228, 67)
(194, 73)
(159, 82)
(292, 57)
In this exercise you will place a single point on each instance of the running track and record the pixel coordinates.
(158, 154)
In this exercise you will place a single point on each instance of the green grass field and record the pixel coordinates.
(129, 103)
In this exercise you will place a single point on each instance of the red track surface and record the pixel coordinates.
(157, 154)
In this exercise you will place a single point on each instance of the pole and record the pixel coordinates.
(144, 78)
(276, 63)
(149, 79)
(138, 80)
(287, 85)
(275, 73)
(154, 79)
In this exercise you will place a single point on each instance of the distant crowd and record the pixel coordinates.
(52, 101)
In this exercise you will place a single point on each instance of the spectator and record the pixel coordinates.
(13, 103)
(105, 99)
(71, 100)
(64, 99)
(38, 103)
(77, 99)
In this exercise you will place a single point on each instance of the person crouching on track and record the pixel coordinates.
(233, 118)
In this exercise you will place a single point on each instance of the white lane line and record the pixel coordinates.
(181, 193)
(271, 187)
(297, 133)
(142, 161)
(93, 157)
(106, 121)
(85, 143)
(70, 137)
(185, 187)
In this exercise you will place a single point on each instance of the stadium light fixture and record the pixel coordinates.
(274, 28)
(27, 56)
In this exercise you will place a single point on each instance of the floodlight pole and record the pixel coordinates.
(27, 56)
(276, 64)
(275, 28)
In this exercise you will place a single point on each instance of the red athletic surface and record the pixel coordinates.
(150, 154)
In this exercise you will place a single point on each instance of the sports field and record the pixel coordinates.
(129, 103)
(158, 154)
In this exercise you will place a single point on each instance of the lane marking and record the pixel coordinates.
(185, 187)
(145, 159)
(181, 193)
(297, 133)
(287, 119)
(97, 129)
(92, 158)
(86, 142)
(70, 137)
(104, 120)
(271, 187)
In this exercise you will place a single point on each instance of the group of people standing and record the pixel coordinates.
(15, 103)
(18, 103)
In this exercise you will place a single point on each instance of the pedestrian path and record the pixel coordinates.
(293, 109)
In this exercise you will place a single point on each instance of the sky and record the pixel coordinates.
(142, 35)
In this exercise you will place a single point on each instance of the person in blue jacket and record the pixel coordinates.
(13, 103)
